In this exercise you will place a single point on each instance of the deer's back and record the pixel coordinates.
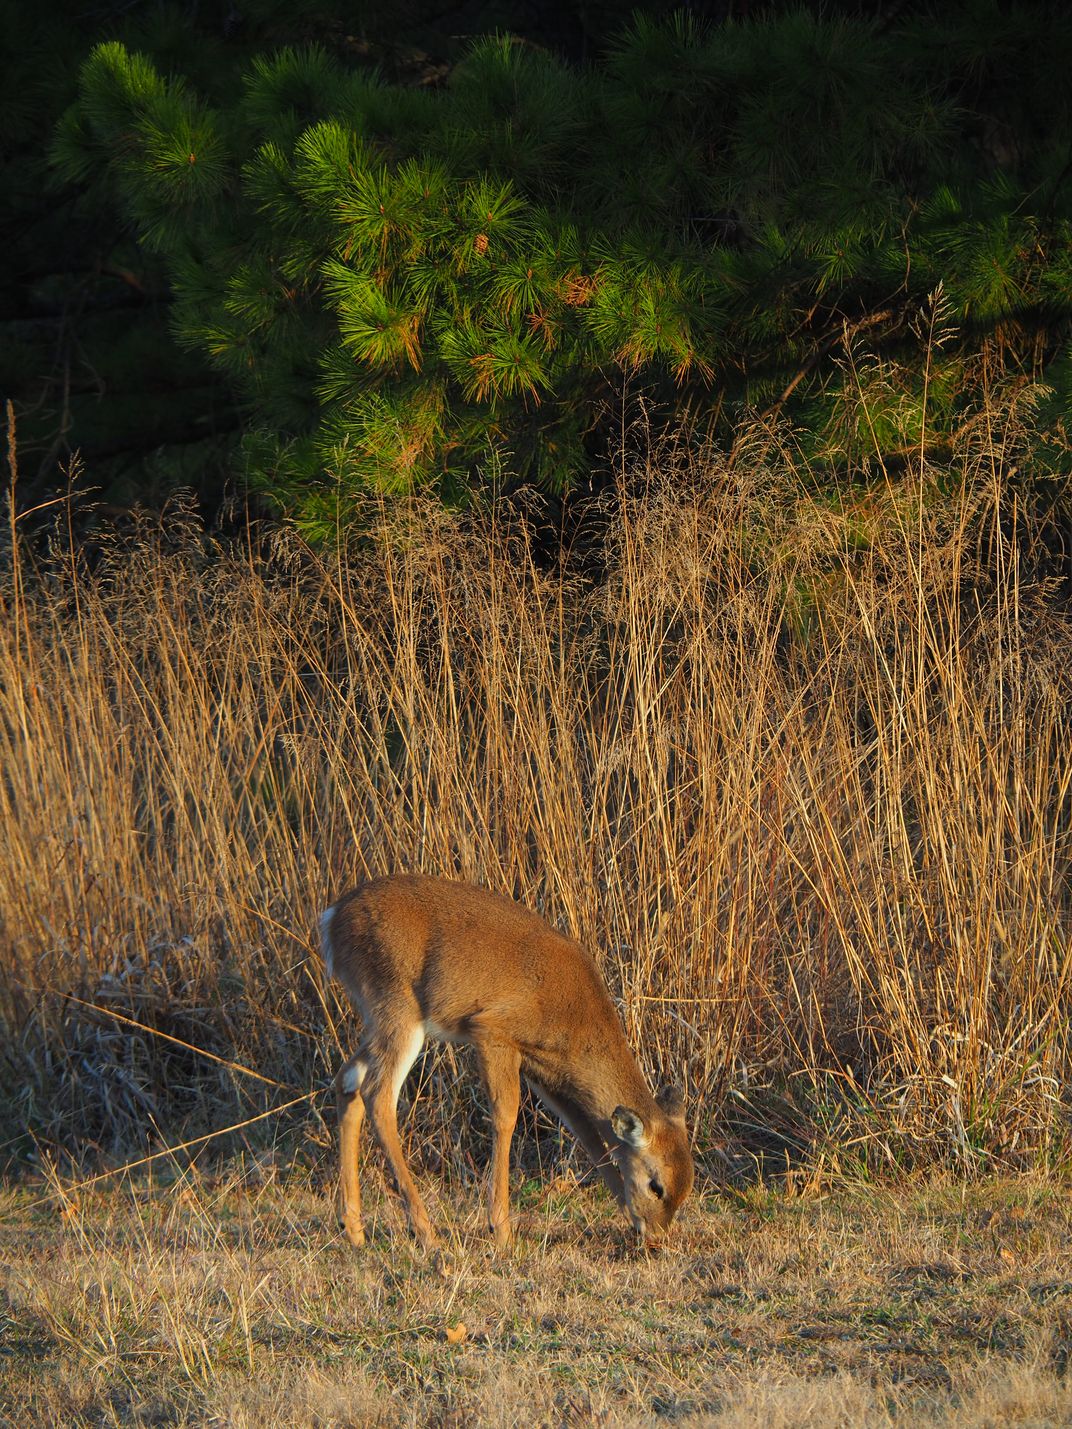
(464, 955)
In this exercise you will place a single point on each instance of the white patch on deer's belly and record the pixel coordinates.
(409, 1055)
(325, 939)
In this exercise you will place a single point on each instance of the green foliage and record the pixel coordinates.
(402, 282)
(161, 148)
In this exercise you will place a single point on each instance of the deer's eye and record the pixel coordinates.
(655, 1186)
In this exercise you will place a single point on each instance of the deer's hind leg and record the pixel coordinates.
(393, 1056)
(351, 1112)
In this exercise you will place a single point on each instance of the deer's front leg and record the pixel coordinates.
(500, 1067)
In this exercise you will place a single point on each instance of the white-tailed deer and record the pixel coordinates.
(423, 957)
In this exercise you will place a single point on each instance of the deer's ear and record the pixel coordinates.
(628, 1127)
(669, 1100)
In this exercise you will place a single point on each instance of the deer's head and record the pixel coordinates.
(654, 1159)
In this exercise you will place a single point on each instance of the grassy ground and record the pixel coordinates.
(807, 796)
(799, 773)
(232, 1301)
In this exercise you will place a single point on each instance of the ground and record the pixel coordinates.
(231, 1300)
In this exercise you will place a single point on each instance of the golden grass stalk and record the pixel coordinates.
(799, 767)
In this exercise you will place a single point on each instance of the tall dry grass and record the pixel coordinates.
(798, 767)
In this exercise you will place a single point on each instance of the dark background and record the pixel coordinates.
(86, 355)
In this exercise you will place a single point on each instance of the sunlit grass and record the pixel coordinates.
(230, 1299)
(798, 768)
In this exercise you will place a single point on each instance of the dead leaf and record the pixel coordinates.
(456, 1334)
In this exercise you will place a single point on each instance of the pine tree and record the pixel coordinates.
(402, 281)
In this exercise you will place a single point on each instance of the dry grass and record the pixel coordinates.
(231, 1302)
(799, 768)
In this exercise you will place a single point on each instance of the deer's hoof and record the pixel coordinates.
(354, 1232)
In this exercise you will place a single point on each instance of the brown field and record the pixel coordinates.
(797, 764)
(232, 1301)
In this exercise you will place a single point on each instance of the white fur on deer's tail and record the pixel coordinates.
(327, 952)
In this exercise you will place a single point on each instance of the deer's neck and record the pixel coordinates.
(598, 1072)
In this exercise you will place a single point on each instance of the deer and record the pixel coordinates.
(428, 958)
